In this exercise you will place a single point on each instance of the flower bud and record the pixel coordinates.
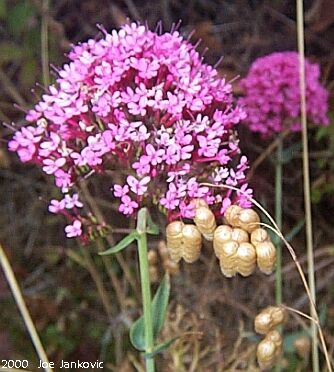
(259, 235)
(266, 257)
(191, 243)
(174, 240)
(269, 350)
(206, 222)
(269, 318)
(246, 259)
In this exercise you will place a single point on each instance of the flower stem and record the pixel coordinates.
(278, 218)
(145, 287)
(307, 192)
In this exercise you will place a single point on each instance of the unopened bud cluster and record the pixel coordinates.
(161, 255)
(240, 244)
(270, 348)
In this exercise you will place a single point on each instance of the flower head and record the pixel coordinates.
(146, 104)
(272, 94)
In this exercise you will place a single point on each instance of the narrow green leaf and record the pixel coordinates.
(159, 306)
(137, 334)
(121, 245)
(159, 309)
(161, 347)
(151, 228)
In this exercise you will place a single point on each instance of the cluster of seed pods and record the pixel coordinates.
(270, 348)
(240, 244)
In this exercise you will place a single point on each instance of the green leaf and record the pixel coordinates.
(159, 309)
(10, 52)
(151, 228)
(137, 334)
(161, 347)
(295, 230)
(121, 245)
(159, 306)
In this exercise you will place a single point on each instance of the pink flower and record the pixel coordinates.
(272, 95)
(120, 191)
(56, 206)
(72, 201)
(51, 166)
(138, 187)
(128, 206)
(73, 230)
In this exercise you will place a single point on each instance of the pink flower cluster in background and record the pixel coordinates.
(272, 96)
(146, 104)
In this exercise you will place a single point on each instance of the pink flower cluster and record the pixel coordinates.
(146, 104)
(272, 95)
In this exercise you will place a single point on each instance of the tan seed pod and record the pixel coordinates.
(163, 251)
(152, 257)
(246, 259)
(171, 267)
(174, 239)
(206, 222)
(303, 345)
(239, 235)
(269, 350)
(248, 220)
(199, 203)
(269, 318)
(222, 234)
(191, 243)
(232, 215)
(266, 257)
(153, 273)
(227, 249)
(227, 255)
(259, 235)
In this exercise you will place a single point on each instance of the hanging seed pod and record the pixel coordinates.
(259, 235)
(303, 345)
(269, 318)
(199, 203)
(153, 274)
(227, 255)
(232, 215)
(266, 257)
(269, 350)
(171, 267)
(162, 248)
(246, 259)
(174, 240)
(248, 220)
(222, 234)
(152, 257)
(239, 235)
(192, 243)
(206, 222)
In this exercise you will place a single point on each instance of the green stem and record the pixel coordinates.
(278, 218)
(145, 287)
